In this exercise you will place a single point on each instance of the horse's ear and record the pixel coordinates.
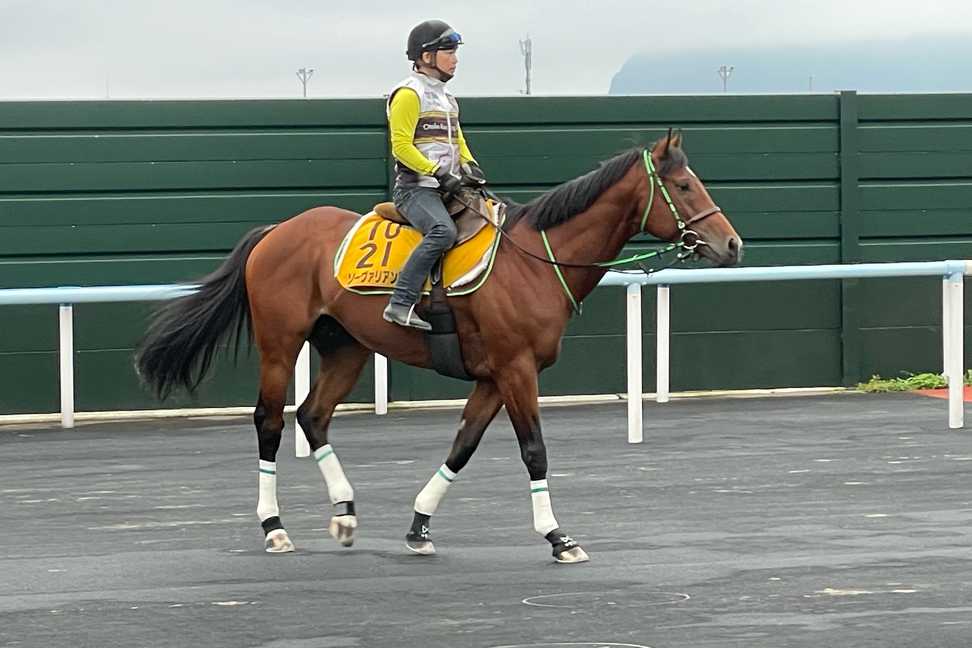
(661, 148)
(677, 141)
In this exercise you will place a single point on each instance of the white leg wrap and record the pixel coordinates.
(338, 487)
(429, 497)
(543, 518)
(267, 504)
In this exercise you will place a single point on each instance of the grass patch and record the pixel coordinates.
(908, 382)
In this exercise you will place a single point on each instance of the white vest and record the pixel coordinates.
(435, 132)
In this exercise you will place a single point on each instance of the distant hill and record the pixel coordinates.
(914, 65)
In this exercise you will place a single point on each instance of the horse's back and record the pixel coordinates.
(295, 249)
(314, 231)
(324, 223)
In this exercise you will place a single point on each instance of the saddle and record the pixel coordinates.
(375, 249)
(471, 214)
(468, 209)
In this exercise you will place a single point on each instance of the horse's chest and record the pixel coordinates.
(548, 351)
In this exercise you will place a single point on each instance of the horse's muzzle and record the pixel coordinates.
(725, 253)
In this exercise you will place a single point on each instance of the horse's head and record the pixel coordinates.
(680, 209)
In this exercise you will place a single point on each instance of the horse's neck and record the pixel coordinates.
(599, 234)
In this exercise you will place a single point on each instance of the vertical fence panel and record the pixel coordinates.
(849, 237)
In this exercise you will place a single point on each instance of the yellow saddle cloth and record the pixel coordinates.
(374, 251)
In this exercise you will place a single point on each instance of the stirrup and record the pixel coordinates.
(411, 313)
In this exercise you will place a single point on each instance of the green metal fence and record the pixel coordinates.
(119, 192)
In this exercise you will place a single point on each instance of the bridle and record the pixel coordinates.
(688, 238)
(687, 244)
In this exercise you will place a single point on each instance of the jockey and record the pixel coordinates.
(432, 160)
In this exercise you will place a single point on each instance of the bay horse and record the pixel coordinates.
(278, 284)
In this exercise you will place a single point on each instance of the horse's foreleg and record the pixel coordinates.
(480, 409)
(518, 386)
(339, 371)
(268, 419)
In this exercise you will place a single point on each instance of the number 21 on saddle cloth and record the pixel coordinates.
(375, 250)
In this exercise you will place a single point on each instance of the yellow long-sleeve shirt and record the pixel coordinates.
(403, 117)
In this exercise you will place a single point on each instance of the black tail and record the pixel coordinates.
(184, 334)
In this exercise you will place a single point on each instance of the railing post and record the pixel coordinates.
(662, 344)
(946, 326)
(634, 360)
(66, 355)
(381, 384)
(301, 390)
(954, 361)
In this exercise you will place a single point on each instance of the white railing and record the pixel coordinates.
(952, 273)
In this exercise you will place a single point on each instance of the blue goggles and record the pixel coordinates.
(448, 40)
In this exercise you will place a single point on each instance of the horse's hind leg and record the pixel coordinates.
(480, 409)
(342, 360)
(275, 373)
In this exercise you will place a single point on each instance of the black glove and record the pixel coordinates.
(449, 183)
(472, 175)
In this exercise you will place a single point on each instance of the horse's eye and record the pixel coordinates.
(683, 187)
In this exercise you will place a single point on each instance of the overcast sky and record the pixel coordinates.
(252, 48)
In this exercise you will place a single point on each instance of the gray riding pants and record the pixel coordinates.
(423, 208)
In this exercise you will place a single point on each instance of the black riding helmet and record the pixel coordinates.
(431, 36)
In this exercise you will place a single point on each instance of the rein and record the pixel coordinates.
(687, 243)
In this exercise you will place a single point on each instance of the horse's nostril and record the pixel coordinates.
(735, 249)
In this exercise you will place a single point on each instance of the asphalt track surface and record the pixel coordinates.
(816, 521)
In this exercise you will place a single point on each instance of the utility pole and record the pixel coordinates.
(304, 74)
(725, 71)
(526, 48)
(811, 83)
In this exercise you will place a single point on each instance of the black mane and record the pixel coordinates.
(563, 202)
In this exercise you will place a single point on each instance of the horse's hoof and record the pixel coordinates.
(278, 542)
(421, 547)
(342, 529)
(570, 556)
